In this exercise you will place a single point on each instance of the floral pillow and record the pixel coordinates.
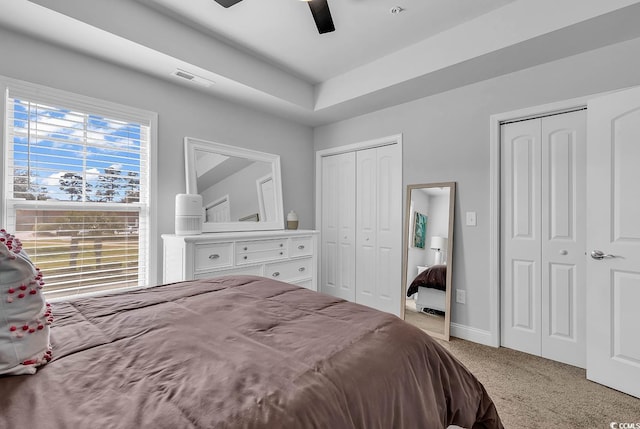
(24, 315)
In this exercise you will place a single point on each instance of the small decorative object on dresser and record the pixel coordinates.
(289, 256)
(292, 220)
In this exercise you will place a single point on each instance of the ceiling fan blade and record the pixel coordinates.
(228, 3)
(322, 15)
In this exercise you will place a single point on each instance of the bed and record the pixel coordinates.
(430, 285)
(240, 352)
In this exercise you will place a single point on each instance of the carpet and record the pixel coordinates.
(532, 392)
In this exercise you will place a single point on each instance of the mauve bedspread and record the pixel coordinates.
(434, 277)
(240, 352)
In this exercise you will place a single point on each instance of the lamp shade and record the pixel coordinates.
(438, 243)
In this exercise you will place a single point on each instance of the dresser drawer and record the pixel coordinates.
(250, 252)
(261, 245)
(212, 256)
(300, 246)
(289, 270)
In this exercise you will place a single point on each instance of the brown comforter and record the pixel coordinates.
(434, 277)
(240, 352)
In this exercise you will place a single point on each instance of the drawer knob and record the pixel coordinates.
(214, 256)
(301, 269)
(301, 246)
(281, 245)
(282, 253)
(276, 274)
(245, 248)
(245, 257)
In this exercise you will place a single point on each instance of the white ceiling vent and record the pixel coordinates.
(192, 78)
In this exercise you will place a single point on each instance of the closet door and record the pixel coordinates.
(338, 276)
(521, 236)
(543, 237)
(564, 151)
(378, 236)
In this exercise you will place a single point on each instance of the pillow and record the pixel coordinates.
(24, 315)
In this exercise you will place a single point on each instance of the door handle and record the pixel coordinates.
(599, 254)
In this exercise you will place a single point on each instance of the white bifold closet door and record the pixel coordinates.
(543, 204)
(361, 227)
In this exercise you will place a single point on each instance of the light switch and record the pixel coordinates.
(471, 219)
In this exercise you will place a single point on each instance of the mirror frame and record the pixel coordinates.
(192, 144)
(405, 253)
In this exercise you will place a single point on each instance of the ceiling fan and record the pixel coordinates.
(319, 10)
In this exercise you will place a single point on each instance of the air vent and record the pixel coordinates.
(192, 77)
(184, 75)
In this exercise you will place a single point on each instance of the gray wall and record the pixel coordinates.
(181, 112)
(446, 138)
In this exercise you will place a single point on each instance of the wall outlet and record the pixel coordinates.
(461, 296)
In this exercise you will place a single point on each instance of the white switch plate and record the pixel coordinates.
(471, 219)
(461, 296)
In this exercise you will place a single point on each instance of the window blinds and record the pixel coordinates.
(77, 192)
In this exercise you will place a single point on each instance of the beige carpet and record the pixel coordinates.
(531, 392)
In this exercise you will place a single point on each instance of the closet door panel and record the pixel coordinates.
(378, 225)
(366, 214)
(347, 224)
(521, 235)
(389, 234)
(563, 237)
(338, 226)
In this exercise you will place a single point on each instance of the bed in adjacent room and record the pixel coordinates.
(430, 285)
(240, 352)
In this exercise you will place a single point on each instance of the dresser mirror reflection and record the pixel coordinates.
(428, 256)
(241, 189)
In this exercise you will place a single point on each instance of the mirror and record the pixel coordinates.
(241, 189)
(428, 257)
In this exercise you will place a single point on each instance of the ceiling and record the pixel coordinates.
(283, 31)
(269, 55)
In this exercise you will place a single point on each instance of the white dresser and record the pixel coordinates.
(287, 255)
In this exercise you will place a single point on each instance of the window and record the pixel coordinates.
(77, 188)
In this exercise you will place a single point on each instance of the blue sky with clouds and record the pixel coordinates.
(51, 142)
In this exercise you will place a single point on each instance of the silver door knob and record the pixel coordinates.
(599, 254)
(564, 252)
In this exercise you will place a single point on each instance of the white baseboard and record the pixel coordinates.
(471, 334)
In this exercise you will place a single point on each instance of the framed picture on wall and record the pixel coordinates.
(419, 230)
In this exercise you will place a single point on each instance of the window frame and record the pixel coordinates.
(86, 104)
